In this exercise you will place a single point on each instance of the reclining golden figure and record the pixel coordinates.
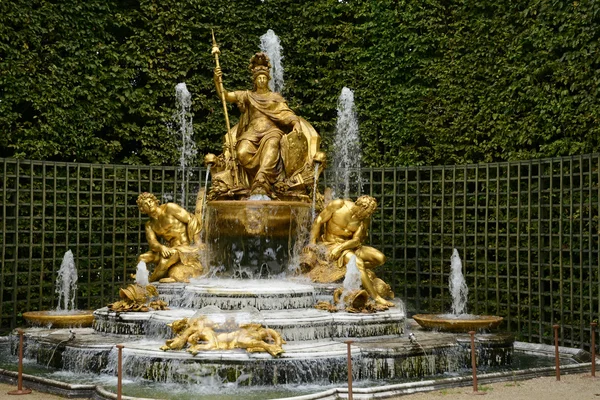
(203, 334)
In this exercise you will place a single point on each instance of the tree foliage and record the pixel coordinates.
(435, 81)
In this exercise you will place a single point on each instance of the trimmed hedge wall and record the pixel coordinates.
(436, 81)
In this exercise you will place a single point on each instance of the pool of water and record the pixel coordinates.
(213, 390)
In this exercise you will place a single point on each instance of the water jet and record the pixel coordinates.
(458, 320)
(65, 315)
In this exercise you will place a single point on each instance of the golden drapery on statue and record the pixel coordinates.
(337, 235)
(275, 151)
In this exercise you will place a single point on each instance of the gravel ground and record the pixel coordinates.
(35, 395)
(571, 387)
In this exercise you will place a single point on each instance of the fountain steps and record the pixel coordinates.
(293, 325)
(315, 350)
(234, 294)
(302, 362)
(283, 305)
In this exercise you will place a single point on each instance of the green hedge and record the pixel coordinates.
(436, 82)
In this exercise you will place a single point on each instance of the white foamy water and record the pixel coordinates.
(458, 286)
(460, 316)
(141, 274)
(185, 132)
(66, 283)
(270, 44)
(259, 197)
(352, 281)
(302, 239)
(346, 147)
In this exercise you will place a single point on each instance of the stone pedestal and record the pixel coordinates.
(316, 340)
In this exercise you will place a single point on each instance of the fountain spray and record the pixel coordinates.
(185, 131)
(458, 286)
(346, 147)
(66, 283)
(352, 281)
(142, 274)
(270, 44)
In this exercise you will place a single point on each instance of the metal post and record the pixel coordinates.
(119, 371)
(556, 354)
(349, 342)
(20, 389)
(593, 349)
(474, 363)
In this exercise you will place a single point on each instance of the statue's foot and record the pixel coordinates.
(384, 302)
(275, 351)
(260, 188)
(167, 280)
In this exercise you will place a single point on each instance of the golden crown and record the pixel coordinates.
(260, 64)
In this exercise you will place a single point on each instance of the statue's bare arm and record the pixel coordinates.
(184, 217)
(355, 241)
(153, 242)
(323, 217)
(230, 97)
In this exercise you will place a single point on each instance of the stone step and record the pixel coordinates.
(236, 294)
(302, 362)
(293, 325)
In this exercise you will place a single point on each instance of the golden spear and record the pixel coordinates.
(216, 52)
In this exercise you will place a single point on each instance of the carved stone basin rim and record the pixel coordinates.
(442, 322)
(74, 318)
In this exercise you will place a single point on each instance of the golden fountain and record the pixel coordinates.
(65, 314)
(264, 184)
(458, 320)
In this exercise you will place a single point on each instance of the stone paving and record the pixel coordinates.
(575, 387)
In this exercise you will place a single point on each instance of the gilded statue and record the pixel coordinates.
(354, 301)
(178, 259)
(336, 236)
(271, 151)
(202, 334)
(138, 298)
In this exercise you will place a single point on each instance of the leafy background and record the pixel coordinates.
(436, 81)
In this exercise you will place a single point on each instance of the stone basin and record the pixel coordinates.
(249, 239)
(60, 319)
(449, 323)
(254, 218)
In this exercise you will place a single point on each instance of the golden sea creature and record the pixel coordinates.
(138, 298)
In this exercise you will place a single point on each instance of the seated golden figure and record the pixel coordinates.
(178, 259)
(337, 234)
(274, 149)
